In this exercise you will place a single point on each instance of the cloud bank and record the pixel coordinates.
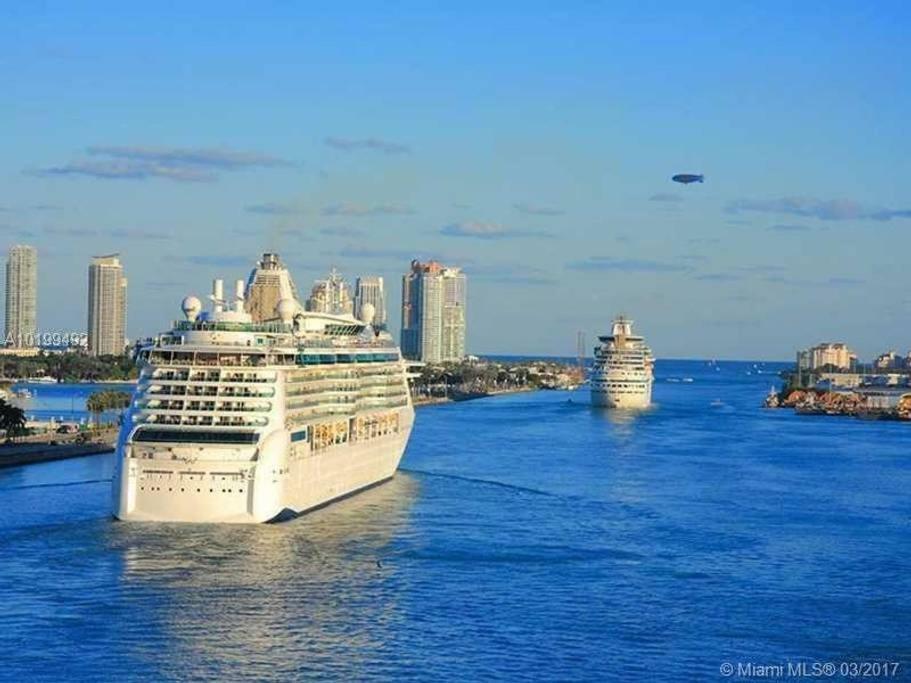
(271, 209)
(536, 210)
(347, 209)
(783, 227)
(487, 231)
(509, 274)
(179, 164)
(821, 209)
(371, 144)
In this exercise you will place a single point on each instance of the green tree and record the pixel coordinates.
(101, 401)
(12, 419)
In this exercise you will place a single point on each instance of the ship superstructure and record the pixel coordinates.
(237, 420)
(622, 374)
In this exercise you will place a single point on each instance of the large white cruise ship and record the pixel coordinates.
(240, 417)
(622, 374)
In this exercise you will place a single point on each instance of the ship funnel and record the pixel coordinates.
(218, 295)
(239, 296)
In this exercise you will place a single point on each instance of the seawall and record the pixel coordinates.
(14, 455)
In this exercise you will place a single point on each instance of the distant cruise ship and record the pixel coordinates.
(244, 415)
(622, 375)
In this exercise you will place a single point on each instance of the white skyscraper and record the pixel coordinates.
(107, 306)
(369, 290)
(433, 313)
(21, 296)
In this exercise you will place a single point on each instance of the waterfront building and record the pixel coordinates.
(268, 283)
(889, 361)
(369, 290)
(331, 295)
(827, 355)
(107, 306)
(21, 297)
(434, 300)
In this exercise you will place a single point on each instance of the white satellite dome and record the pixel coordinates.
(285, 309)
(191, 306)
(368, 313)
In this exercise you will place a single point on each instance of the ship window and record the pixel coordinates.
(158, 435)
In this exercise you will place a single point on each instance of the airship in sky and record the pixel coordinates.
(687, 178)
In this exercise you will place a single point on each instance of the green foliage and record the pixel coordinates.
(69, 367)
(101, 401)
(12, 419)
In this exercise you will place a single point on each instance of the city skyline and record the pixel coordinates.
(552, 191)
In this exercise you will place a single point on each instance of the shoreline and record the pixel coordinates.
(841, 404)
(438, 400)
(29, 454)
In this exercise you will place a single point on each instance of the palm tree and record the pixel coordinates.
(101, 401)
(12, 419)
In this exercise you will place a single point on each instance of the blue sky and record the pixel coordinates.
(532, 145)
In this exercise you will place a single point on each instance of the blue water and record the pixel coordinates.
(64, 402)
(527, 537)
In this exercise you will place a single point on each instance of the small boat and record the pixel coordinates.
(688, 379)
(772, 400)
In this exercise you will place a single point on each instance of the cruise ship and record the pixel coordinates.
(258, 410)
(622, 374)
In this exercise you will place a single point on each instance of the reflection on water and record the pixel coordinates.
(623, 421)
(230, 597)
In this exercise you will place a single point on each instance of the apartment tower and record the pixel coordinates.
(433, 313)
(21, 297)
(107, 306)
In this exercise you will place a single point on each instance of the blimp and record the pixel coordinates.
(687, 178)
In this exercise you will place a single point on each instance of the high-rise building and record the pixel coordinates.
(369, 290)
(835, 355)
(107, 306)
(331, 295)
(269, 283)
(21, 297)
(433, 313)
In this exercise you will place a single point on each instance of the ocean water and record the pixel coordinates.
(526, 537)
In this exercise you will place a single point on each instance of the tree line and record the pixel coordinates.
(103, 401)
(69, 367)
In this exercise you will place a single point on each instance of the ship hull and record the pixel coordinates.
(623, 401)
(279, 484)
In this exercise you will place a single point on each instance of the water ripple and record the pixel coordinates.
(525, 539)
